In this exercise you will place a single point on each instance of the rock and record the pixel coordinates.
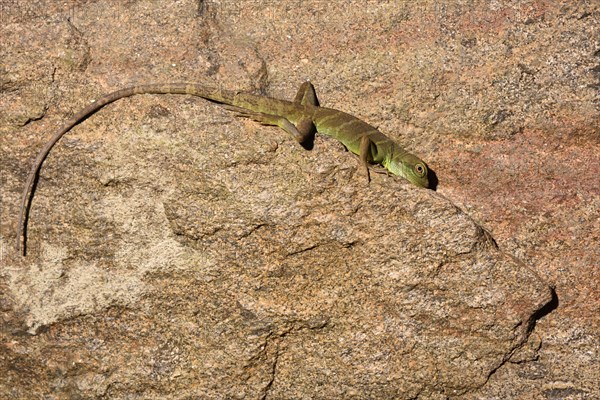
(176, 251)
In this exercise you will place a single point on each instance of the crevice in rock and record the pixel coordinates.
(543, 311)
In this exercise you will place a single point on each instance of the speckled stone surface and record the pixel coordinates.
(178, 252)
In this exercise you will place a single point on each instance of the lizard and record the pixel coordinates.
(301, 118)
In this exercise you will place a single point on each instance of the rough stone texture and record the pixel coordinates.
(175, 251)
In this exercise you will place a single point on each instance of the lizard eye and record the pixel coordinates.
(420, 169)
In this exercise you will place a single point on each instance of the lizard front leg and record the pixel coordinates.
(365, 152)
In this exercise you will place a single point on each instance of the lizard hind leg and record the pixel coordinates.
(306, 95)
(268, 119)
(304, 130)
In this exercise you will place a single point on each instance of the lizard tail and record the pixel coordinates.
(215, 94)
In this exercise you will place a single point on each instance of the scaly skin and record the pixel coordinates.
(301, 118)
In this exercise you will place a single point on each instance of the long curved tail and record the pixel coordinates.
(207, 92)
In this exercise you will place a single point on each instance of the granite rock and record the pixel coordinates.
(177, 251)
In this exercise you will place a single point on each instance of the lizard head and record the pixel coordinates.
(410, 167)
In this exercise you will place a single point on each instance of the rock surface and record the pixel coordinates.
(176, 251)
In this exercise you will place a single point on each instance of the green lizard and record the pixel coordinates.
(301, 118)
